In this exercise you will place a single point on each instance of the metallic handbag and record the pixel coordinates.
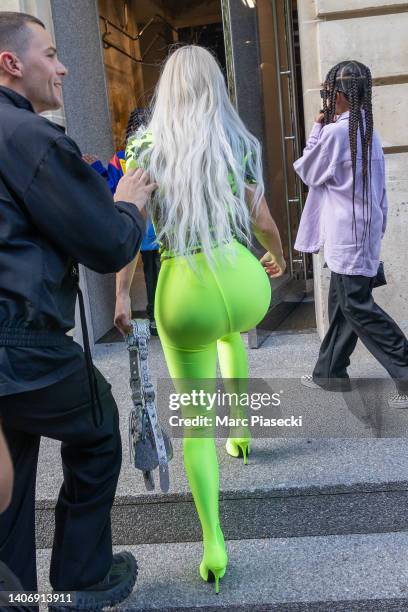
(150, 447)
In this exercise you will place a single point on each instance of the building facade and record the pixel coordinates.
(275, 54)
(373, 32)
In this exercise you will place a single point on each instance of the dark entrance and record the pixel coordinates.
(257, 44)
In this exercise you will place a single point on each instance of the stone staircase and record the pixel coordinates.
(311, 523)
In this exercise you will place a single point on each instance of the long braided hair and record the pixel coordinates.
(354, 80)
(137, 117)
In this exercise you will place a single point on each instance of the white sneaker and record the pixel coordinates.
(399, 400)
(307, 381)
(339, 385)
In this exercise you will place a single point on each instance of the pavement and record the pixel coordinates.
(313, 522)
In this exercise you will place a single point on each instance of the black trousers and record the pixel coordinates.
(91, 459)
(151, 269)
(353, 314)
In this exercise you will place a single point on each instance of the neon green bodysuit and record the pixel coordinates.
(200, 313)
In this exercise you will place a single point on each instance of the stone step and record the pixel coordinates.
(321, 574)
(343, 477)
(289, 488)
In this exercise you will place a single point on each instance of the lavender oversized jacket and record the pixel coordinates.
(328, 213)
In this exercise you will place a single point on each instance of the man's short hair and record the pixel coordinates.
(14, 33)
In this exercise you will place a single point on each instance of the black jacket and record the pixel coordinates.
(55, 211)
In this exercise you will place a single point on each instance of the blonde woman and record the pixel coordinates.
(208, 169)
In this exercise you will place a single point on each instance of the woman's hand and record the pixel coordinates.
(134, 187)
(123, 314)
(319, 118)
(89, 158)
(274, 265)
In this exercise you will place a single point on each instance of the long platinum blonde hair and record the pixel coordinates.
(200, 148)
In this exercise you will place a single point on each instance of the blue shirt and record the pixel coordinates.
(113, 173)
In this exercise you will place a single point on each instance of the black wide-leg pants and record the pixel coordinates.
(91, 460)
(151, 269)
(353, 314)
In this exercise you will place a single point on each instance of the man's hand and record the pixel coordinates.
(123, 314)
(274, 266)
(134, 187)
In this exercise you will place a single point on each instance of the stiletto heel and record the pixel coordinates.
(216, 578)
(213, 575)
(244, 448)
(214, 563)
(239, 447)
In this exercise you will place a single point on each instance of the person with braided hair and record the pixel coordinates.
(346, 212)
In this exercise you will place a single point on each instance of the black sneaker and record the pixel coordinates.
(116, 587)
(8, 580)
(10, 583)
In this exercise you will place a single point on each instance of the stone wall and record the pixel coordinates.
(42, 10)
(375, 33)
(10, 5)
(88, 121)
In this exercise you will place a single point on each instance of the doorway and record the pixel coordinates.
(137, 35)
(280, 89)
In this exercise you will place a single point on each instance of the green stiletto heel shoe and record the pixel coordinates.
(239, 447)
(215, 560)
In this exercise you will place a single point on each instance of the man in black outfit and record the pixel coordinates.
(56, 212)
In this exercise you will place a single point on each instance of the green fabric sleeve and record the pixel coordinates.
(135, 147)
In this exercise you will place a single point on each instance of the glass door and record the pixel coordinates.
(281, 101)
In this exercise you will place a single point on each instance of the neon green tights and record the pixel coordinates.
(200, 312)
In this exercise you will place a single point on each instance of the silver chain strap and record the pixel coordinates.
(147, 443)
